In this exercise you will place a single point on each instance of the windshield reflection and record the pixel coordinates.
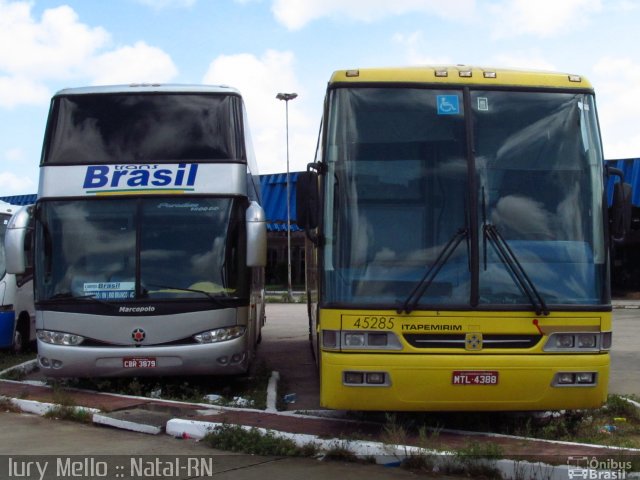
(398, 188)
(118, 249)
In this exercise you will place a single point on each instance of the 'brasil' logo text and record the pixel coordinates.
(140, 177)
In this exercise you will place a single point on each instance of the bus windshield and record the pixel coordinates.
(539, 170)
(144, 128)
(415, 172)
(141, 249)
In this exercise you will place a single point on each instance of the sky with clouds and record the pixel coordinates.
(263, 47)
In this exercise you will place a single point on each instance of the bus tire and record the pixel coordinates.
(21, 335)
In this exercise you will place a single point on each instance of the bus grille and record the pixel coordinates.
(489, 342)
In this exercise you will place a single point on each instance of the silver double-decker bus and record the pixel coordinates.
(149, 241)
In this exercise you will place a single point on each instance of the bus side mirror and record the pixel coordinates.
(15, 236)
(620, 211)
(307, 202)
(256, 236)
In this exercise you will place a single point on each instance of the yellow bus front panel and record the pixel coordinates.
(467, 361)
(425, 382)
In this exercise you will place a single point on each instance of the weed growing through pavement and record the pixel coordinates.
(16, 374)
(341, 453)
(7, 406)
(478, 459)
(69, 412)
(10, 359)
(419, 451)
(617, 423)
(235, 438)
(419, 457)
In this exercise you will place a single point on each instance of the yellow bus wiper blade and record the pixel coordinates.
(425, 282)
(509, 258)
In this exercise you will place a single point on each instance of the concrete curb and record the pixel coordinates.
(394, 455)
(100, 419)
(25, 368)
(42, 408)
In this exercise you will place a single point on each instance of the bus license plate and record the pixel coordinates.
(460, 377)
(139, 362)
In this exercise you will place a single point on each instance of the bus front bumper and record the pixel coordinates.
(224, 358)
(461, 382)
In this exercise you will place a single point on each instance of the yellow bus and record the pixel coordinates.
(457, 246)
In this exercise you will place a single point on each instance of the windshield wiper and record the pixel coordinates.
(425, 282)
(216, 299)
(509, 258)
(70, 296)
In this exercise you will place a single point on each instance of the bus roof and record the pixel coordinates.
(149, 88)
(462, 75)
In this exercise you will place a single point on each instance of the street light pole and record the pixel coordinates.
(286, 97)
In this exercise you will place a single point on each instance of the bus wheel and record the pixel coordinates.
(21, 336)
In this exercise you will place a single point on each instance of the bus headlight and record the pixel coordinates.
(360, 340)
(330, 339)
(565, 341)
(578, 342)
(586, 341)
(366, 379)
(354, 339)
(219, 334)
(59, 338)
(575, 379)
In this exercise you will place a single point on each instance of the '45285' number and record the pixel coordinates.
(374, 323)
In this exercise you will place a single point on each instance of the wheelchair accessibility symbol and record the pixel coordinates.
(448, 104)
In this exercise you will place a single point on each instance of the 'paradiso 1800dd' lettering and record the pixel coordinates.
(114, 176)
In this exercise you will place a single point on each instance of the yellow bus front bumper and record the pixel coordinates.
(420, 382)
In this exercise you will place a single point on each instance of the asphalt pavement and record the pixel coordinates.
(72, 450)
(624, 378)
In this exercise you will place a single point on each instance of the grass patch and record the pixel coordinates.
(234, 438)
(7, 406)
(474, 460)
(617, 423)
(71, 413)
(10, 359)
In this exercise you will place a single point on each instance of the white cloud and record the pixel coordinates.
(295, 14)
(259, 81)
(415, 44)
(161, 4)
(36, 53)
(15, 90)
(15, 154)
(541, 18)
(11, 184)
(130, 64)
(617, 84)
(625, 6)
(531, 59)
(55, 47)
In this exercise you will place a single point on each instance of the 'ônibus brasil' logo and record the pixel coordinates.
(143, 177)
(138, 335)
